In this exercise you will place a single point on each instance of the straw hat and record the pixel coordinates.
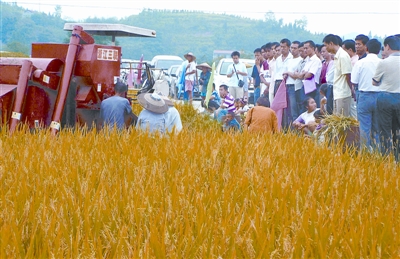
(189, 54)
(203, 65)
(166, 99)
(152, 102)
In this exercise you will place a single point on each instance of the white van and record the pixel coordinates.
(164, 62)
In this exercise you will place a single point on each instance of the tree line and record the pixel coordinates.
(178, 32)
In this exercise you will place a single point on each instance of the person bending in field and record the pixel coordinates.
(318, 127)
(230, 123)
(227, 105)
(306, 121)
(116, 110)
(241, 106)
(215, 101)
(261, 118)
(173, 122)
(153, 117)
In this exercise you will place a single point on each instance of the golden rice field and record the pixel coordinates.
(200, 194)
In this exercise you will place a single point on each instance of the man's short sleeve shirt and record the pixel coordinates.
(343, 66)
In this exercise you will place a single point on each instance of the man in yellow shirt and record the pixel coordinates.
(342, 87)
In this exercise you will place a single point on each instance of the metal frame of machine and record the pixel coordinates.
(60, 85)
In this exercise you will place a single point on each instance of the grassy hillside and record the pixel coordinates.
(178, 32)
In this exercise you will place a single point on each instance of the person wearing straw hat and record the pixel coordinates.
(116, 109)
(190, 75)
(204, 78)
(152, 118)
(173, 120)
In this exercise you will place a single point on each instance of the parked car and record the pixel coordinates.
(161, 63)
(171, 76)
(171, 73)
(164, 62)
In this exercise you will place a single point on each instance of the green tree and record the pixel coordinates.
(19, 47)
(301, 23)
(57, 11)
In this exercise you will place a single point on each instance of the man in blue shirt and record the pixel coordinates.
(116, 110)
(230, 123)
(256, 73)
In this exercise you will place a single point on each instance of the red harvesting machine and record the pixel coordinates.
(61, 85)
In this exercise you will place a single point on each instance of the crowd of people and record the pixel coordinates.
(304, 81)
(295, 85)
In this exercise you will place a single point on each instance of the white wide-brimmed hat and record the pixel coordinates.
(189, 54)
(152, 102)
(203, 65)
(166, 99)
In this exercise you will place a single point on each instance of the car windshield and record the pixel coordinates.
(173, 70)
(165, 64)
(224, 68)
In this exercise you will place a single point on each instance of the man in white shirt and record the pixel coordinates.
(367, 94)
(235, 72)
(281, 64)
(291, 78)
(350, 47)
(360, 45)
(311, 71)
(387, 78)
(270, 57)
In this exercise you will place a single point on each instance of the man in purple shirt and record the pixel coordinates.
(228, 105)
(229, 101)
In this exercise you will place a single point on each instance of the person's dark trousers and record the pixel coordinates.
(356, 91)
(367, 115)
(276, 86)
(329, 99)
(256, 93)
(213, 105)
(300, 97)
(292, 103)
(388, 105)
(318, 96)
(287, 115)
(315, 95)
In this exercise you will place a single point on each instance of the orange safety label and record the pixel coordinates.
(107, 54)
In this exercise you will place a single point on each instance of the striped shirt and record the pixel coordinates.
(229, 103)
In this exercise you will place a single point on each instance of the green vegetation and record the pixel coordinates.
(178, 32)
(21, 27)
